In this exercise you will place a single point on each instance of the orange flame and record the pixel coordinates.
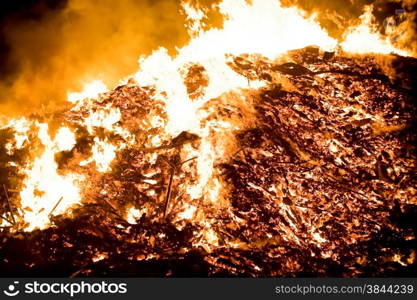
(46, 192)
(364, 38)
(261, 27)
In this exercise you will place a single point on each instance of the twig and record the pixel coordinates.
(109, 204)
(56, 205)
(171, 179)
(239, 151)
(113, 209)
(6, 220)
(291, 162)
(10, 206)
(188, 160)
(82, 268)
(169, 190)
(168, 162)
(343, 186)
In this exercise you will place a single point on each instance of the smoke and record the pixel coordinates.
(404, 29)
(334, 16)
(50, 47)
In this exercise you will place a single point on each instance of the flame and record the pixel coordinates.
(90, 90)
(21, 128)
(261, 27)
(103, 155)
(45, 192)
(133, 214)
(194, 18)
(364, 38)
(106, 117)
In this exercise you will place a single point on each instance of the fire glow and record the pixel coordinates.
(189, 125)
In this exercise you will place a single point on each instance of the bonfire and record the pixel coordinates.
(257, 150)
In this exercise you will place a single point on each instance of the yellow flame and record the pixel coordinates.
(364, 38)
(46, 192)
(194, 18)
(188, 212)
(105, 118)
(21, 127)
(133, 214)
(261, 27)
(64, 139)
(90, 90)
(103, 155)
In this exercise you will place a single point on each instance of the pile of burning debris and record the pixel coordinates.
(322, 181)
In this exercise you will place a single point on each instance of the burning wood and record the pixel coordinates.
(298, 164)
(329, 159)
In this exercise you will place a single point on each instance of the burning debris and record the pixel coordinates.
(239, 165)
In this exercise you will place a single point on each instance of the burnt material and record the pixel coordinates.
(323, 183)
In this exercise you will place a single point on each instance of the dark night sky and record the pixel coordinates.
(11, 12)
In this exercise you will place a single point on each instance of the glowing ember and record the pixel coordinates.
(258, 26)
(21, 128)
(249, 139)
